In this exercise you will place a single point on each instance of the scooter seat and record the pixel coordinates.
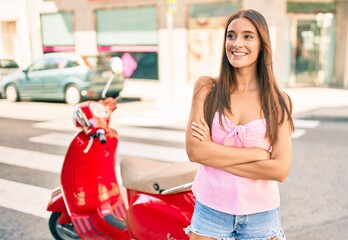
(152, 176)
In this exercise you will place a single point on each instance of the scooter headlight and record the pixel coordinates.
(98, 110)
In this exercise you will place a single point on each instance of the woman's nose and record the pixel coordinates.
(238, 42)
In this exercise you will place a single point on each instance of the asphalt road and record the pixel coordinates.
(314, 198)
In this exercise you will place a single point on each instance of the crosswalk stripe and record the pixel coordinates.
(24, 198)
(160, 153)
(125, 148)
(63, 139)
(141, 121)
(300, 123)
(153, 134)
(31, 159)
(298, 133)
(52, 138)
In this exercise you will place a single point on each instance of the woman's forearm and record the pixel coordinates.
(220, 156)
(270, 169)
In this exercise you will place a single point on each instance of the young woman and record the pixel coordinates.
(239, 130)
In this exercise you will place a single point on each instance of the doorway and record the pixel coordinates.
(8, 38)
(313, 41)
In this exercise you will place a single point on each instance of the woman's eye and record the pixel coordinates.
(248, 36)
(231, 36)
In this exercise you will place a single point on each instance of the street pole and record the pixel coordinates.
(171, 9)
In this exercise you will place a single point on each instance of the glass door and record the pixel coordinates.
(314, 46)
(307, 52)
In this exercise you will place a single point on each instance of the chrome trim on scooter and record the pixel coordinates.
(80, 116)
(89, 145)
(177, 188)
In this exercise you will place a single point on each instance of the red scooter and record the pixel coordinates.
(90, 204)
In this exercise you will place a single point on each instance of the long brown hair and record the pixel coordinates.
(273, 104)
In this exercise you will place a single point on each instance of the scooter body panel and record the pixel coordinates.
(159, 217)
(88, 180)
(91, 190)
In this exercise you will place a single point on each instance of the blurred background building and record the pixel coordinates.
(166, 44)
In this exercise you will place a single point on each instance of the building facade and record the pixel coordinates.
(167, 44)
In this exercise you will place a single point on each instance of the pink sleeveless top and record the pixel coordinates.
(226, 192)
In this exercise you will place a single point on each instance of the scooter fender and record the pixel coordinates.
(56, 203)
(157, 217)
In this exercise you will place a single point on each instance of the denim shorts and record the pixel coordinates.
(224, 226)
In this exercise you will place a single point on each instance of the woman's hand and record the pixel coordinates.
(201, 130)
(110, 103)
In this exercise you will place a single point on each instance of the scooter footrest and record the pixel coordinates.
(86, 229)
(117, 223)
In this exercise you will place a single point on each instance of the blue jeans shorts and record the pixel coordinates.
(224, 226)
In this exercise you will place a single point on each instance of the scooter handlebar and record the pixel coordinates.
(101, 136)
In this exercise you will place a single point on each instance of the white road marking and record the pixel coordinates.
(153, 134)
(298, 133)
(299, 123)
(24, 198)
(31, 159)
(142, 121)
(125, 148)
(52, 138)
(160, 153)
(63, 139)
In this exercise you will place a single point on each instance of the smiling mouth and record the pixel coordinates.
(239, 54)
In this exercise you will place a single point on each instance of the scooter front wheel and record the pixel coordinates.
(59, 231)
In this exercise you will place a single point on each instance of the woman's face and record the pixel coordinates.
(242, 43)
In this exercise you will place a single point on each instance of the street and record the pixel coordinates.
(313, 198)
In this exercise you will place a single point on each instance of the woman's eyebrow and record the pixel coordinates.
(245, 31)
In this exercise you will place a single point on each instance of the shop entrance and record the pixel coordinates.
(314, 45)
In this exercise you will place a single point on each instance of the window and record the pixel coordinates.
(44, 64)
(145, 65)
(132, 35)
(127, 26)
(72, 63)
(7, 63)
(57, 29)
(310, 7)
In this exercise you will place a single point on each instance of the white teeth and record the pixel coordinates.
(238, 53)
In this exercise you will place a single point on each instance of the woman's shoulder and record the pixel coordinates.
(206, 80)
(286, 98)
(204, 83)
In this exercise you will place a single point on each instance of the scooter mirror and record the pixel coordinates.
(116, 65)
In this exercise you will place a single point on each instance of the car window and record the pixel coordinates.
(8, 63)
(51, 63)
(100, 63)
(59, 62)
(44, 64)
(37, 65)
(72, 63)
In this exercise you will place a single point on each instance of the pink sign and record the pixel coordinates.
(129, 65)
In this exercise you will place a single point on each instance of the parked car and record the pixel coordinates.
(7, 65)
(62, 76)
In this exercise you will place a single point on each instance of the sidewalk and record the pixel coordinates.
(306, 102)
